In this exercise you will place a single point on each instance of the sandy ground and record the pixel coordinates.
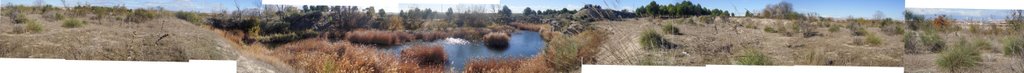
(109, 39)
(992, 60)
(722, 40)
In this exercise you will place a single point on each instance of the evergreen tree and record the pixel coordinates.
(528, 11)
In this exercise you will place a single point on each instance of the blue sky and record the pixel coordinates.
(828, 8)
(177, 5)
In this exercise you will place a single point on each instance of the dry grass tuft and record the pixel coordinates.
(321, 56)
(592, 39)
(531, 27)
(426, 55)
(430, 36)
(378, 37)
(500, 65)
(497, 40)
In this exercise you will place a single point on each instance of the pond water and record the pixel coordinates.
(522, 44)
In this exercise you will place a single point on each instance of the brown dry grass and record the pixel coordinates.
(493, 65)
(536, 64)
(497, 40)
(426, 55)
(592, 39)
(379, 37)
(531, 27)
(321, 56)
(430, 36)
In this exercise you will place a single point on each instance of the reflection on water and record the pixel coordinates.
(522, 44)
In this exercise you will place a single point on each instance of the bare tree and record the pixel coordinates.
(40, 2)
(65, 3)
(1016, 19)
(879, 15)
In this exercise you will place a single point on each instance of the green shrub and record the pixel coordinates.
(982, 44)
(874, 39)
(33, 26)
(859, 31)
(670, 29)
(910, 42)
(960, 57)
(754, 57)
(1013, 46)
(649, 39)
(20, 18)
(933, 41)
(563, 53)
(56, 16)
(833, 28)
(194, 18)
(72, 23)
(141, 15)
(770, 30)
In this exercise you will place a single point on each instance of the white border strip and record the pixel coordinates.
(22, 65)
(737, 69)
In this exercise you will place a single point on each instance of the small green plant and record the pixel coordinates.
(934, 42)
(647, 61)
(1014, 47)
(73, 23)
(194, 18)
(649, 39)
(564, 55)
(140, 15)
(20, 18)
(960, 57)
(859, 31)
(58, 16)
(754, 57)
(670, 29)
(982, 44)
(770, 30)
(833, 28)
(33, 26)
(874, 39)
(328, 67)
(910, 42)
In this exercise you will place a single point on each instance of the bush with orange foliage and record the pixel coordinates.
(941, 21)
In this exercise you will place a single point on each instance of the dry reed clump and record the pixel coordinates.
(493, 65)
(425, 55)
(591, 39)
(497, 40)
(430, 36)
(547, 35)
(321, 56)
(536, 64)
(378, 37)
(469, 33)
(530, 27)
(501, 28)
(562, 53)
